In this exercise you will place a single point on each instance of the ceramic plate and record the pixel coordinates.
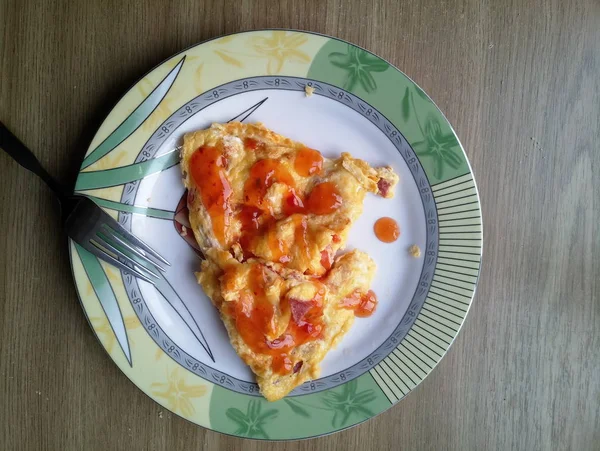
(169, 339)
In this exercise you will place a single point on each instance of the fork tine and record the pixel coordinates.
(102, 255)
(117, 229)
(104, 245)
(115, 236)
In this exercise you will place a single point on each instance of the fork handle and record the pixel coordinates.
(25, 157)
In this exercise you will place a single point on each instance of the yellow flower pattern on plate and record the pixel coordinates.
(279, 48)
(106, 334)
(109, 161)
(164, 109)
(177, 393)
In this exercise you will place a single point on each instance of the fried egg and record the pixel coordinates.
(270, 214)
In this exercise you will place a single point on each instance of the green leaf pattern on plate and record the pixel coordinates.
(135, 119)
(397, 98)
(347, 402)
(439, 146)
(406, 105)
(297, 416)
(358, 64)
(250, 424)
(296, 407)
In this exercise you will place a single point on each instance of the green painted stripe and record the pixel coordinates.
(434, 341)
(444, 312)
(460, 243)
(400, 354)
(423, 327)
(146, 211)
(445, 303)
(474, 228)
(125, 174)
(461, 219)
(395, 363)
(440, 330)
(135, 119)
(454, 284)
(386, 391)
(442, 316)
(462, 250)
(443, 296)
(395, 375)
(428, 344)
(464, 235)
(460, 194)
(406, 369)
(461, 263)
(457, 271)
(454, 188)
(417, 349)
(441, 274)
(439, 321)
(416, 360)
(459, 205)
(393, 395)
(404, 378)
(452, 296)
(106, 296)
(451, 182)
(453, 226)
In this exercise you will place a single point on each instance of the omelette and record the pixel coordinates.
(270, 215)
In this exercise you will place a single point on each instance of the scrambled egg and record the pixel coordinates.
(269, 215)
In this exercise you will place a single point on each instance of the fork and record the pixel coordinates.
(87, 224)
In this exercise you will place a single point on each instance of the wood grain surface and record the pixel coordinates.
(519, 81)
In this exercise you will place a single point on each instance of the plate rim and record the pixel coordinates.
(447, 123)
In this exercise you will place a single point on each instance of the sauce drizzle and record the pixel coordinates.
(207, 166)
(263, 174)
(256, 317)
(257, 218)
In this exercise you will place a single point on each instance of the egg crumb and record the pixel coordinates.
(183, 231)
(415, 251)
(309, 90)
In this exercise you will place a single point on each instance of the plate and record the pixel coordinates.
(169, 339)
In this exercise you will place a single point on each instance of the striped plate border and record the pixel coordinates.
(450, 294)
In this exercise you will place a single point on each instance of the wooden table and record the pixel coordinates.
(520, 82)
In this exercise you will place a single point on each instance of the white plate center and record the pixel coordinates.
(332, 128)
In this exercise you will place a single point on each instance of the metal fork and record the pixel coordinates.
(87, 224)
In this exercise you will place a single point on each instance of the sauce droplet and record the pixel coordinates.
(386, 229)
(308, 162)
(323, 199)
(363, 304)
(281, 364)
(326, 259)
(252, 144)
(293, 203)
